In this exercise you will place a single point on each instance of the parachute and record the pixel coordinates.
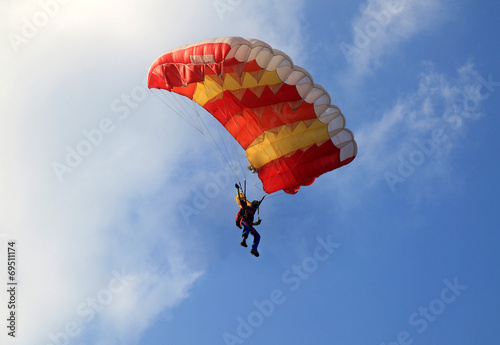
(286, 124)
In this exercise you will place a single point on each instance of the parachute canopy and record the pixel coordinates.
(286, 124)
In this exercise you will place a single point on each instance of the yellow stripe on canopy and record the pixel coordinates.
(211, 88)
(273, 144)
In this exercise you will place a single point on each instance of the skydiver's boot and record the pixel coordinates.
(254, 252)
(244, 242)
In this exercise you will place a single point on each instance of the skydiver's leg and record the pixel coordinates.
(256, 238)
(246, 230)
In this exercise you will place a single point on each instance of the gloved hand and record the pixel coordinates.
(236, 185)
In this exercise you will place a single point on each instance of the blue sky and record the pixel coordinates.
(398, 247)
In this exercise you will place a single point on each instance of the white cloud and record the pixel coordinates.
(116, 208)
(383, 26)
(416, 136)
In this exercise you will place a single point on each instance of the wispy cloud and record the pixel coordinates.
(382, 27)
(417, 134)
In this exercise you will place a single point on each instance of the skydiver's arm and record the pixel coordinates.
(241, 198)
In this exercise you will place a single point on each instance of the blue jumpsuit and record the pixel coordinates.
(247, 224)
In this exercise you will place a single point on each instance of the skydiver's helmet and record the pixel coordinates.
(255, 204)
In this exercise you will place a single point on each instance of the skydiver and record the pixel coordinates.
(245, 218)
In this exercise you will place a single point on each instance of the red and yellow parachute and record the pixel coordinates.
(286, 124)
